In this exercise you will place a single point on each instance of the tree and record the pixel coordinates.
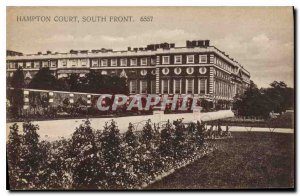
(166, 147)
(29, 156)
(72, 82)
(13, 154)
(43, 80)
(260, 102)
(130, 138)
(112, 155)
(280, 95)
(17, 80)
(200, 129)
(179, 139)
(16, 95)
(253, 103)
(86, 165)
(147, 133)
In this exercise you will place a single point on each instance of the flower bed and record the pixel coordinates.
(103, 159)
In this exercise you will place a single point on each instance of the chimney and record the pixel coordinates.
(39, 53)
(200, 43)
(73, 51)
(129, 48)
(206, 43)
(194, 43)
(48, 52)
(188, 44)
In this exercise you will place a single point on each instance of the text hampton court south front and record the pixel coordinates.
(74, 19)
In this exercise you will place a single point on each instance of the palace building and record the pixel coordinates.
(196, 68)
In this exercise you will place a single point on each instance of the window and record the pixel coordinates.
(189, 86)
(45, 64)
(83, 62)
(123, 62)
(143, 61)
(20, 64)
(12, 65)
(104, 62)
(165, 71)
(95, 62)
(177, 86)
(63, 62)
(133, 62)
(177, 70)
(165, 86)
(53, 63)
(143, 86)
(144, 72)
(165, 60)
(74, 62)
(203, 59)
(202, 86)
(190, 59)
(113, 62)
(28, 64)
(177, 59)
(133, 86)
(202, 70)
(190, 70)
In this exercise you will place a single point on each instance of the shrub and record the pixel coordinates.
(86, 160)
(13, 152)
(102, 159)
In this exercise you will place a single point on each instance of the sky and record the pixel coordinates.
(259, 38)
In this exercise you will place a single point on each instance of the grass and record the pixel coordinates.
(285, 120)
(248, 161)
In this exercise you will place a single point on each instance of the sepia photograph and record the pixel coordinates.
(150, 98)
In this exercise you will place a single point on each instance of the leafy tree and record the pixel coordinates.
(179, 139)
(72, 82)
(280, 95)
(112, 154)
(147, 133)
(43, 80)
(16, 95)
(260, 102)
(29, 156)
(17, 80)
(200, 129)
(86, 165)
(166, 147)
(253, 103)
(130, 138)
(13, 154)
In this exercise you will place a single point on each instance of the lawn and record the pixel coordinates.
(248, 161)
